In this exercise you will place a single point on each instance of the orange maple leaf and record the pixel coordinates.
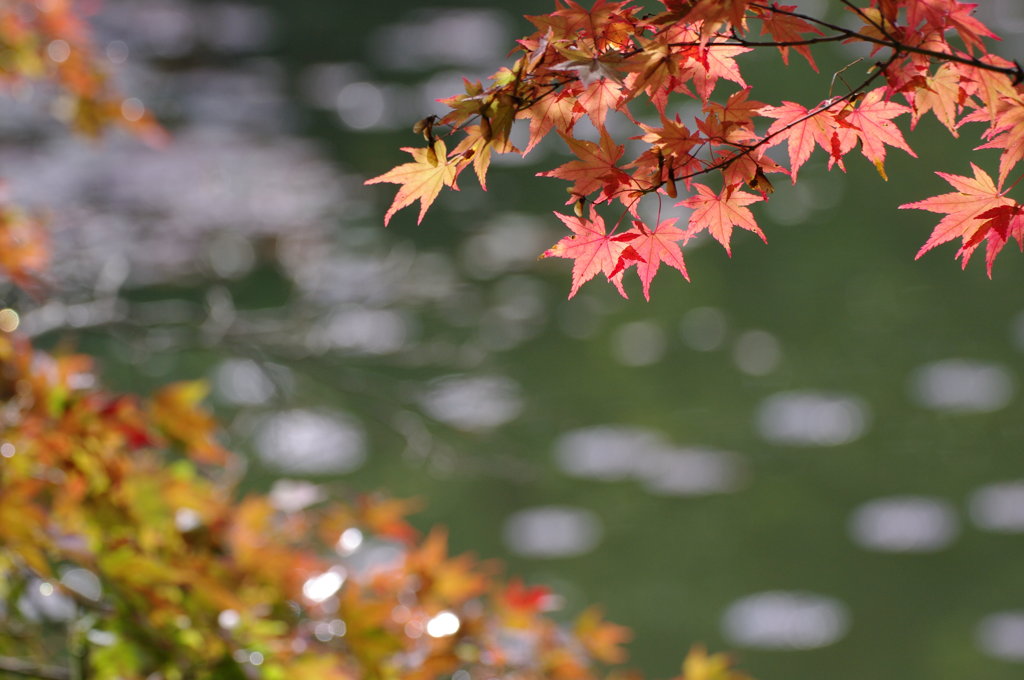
(975, 211)
(941, 94)
(1007, 133)
(555, 110)
(708, 66)
(601, 638)
(871, 120)
(595, 168)
(176, 410)
(592, 249)
(802, 128)
(422, 179)
(719, 213)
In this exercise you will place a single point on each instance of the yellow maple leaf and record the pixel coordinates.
(422, 179)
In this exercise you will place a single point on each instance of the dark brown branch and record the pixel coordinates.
(1017, 72)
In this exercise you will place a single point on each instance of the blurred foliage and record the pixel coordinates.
(127, 550)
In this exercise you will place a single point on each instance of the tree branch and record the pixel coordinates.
(28, 669)
(1017, 72)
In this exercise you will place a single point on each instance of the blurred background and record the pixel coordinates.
(812, 455)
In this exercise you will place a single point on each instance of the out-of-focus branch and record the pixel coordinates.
(28, 669)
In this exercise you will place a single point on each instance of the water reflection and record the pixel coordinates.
(366, 105)
(606, 452)
(611, 453)
(310, 442)
(173, 28)
(424, 40)
(962, 386)
(691, 472)
(785, 620)
(552, 531)
(811, 418)
(639, 343)
(242, 382)
(999, 507)
(473, 403)
(162, 211)
(358, 330)
(703, 328)
(757, 352)
(911, 524)
(293, 495)
(1002, 635)
(508, 242)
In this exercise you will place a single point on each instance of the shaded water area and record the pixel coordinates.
(811, 455)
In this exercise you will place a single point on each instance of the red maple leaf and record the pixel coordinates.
(975, 211)
(592, 249)
(650, 249)
(719, 213)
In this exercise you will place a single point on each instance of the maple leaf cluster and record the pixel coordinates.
(929, 56)
(51, 41)
(126, 511)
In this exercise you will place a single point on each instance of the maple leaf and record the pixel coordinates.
(802, 128)
(654, 70)
(598, 98)
(1007, 133)
(651, 248)
(975, 211)
(786, 28)
(592, 249)
(596, 168)
(871, 120)
(605, 22)
(699, 665)
(945, 14)
(451, 580)
(475, 145)
(673, 138)
(176, 410)
(556, 111)
(24, 246)
(602, 639)
(988, 86)
(713, 13)
(710, 65)
(737, 110)
(719, 213)
(941, 94)
(422, 179)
